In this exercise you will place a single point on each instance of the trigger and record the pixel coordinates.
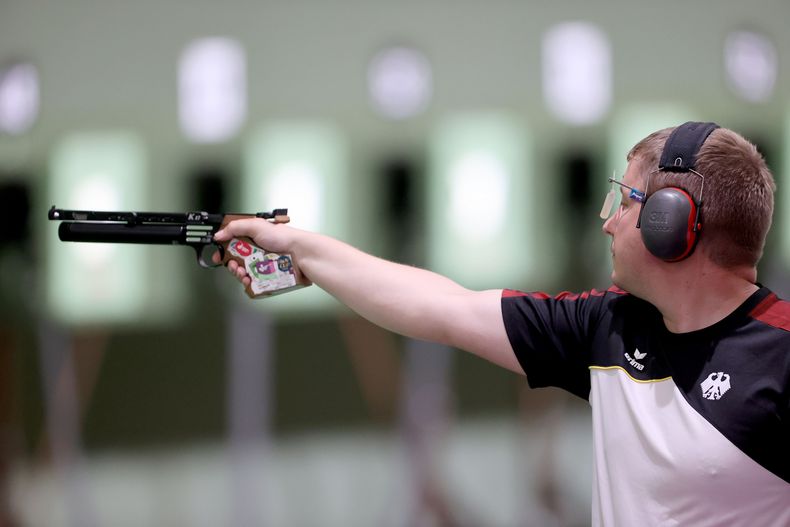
(210, 263)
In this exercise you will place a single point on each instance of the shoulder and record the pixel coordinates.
(592, 305)
(767, 339)
(773, 312)
(608, 294)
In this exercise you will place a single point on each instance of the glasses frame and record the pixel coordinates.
(635, 194)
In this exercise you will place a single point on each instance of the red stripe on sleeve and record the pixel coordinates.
(510, 293)
(565, 295)
(773, 312)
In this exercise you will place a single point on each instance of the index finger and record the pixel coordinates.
(241, 227)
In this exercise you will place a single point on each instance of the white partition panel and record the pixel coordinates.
(97, 283)
(302, 166)
(484, 207)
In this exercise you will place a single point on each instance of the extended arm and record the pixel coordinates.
(407, 300)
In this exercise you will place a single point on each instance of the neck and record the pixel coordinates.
(705, 295)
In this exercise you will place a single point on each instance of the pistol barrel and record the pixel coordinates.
(122, 233)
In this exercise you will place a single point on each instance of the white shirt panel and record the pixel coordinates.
(659, 462)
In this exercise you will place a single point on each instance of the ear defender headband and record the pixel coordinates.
(670, 218)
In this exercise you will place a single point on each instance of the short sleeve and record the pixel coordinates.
(552, 335)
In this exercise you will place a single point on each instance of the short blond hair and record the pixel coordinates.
(738, 200)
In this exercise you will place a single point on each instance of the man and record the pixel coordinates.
(686, 362)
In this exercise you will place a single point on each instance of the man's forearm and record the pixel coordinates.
(407, 300)
(401, 298)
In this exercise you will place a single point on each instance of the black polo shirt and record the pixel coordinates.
(688, 429)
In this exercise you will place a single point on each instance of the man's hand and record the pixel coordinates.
(265, 234)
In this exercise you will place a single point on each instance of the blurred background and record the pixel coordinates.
(473, 138)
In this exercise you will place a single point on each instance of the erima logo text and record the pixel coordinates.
(715, 386)
(637, 356)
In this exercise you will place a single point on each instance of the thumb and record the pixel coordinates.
(249, 227)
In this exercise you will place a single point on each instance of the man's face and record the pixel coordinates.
(630, 258)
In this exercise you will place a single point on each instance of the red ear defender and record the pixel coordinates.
(693, 226)
(669, 223)
(669, 219)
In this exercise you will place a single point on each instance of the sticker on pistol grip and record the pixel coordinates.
(269, 272)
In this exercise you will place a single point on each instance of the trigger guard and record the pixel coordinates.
(209, 264)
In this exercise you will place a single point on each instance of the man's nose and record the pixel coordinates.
(609, 224)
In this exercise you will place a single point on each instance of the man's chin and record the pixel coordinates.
(619, 283)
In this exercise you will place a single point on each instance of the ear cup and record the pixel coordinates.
(667, 224)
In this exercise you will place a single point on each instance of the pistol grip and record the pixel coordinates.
(270, 273)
